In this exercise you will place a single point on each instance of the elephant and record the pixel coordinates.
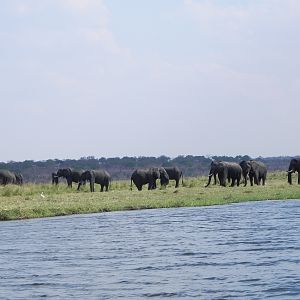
(149, 176)
(294, 167)
(225, 170)
(213, 172)
(174, 174)
(19, 178)
(68, 173)
(9, 177)
(255, 170)
(95, 176)
(214, 168)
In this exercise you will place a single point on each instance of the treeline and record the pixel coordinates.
(122, 168)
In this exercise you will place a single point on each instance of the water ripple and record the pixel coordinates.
(242, 251)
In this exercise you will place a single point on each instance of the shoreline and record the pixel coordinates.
(26, 202)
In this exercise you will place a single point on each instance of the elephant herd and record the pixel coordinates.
(229, 172)
(233, 172)
(149, 176)
(81, 177)
(139, 177)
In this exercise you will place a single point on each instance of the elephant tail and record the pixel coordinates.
(109, 181)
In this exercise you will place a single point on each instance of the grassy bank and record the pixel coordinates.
(26, 201)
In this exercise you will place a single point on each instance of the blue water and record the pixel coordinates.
(242, 251)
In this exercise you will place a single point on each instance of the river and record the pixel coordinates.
(241, 251)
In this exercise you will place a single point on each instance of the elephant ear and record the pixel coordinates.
(68, 171)
(91, 174)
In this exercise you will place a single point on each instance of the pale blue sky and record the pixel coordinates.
(152, 77)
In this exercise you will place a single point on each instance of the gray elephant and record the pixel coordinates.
(226, 171)
(294, 167)
(214, 167)
(256, 171)
(95, 176)
(174, 174)
(9, 177)
(68, 173)
(149, 176)
(19, 178)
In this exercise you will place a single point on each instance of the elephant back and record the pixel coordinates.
(65, 172)
(173, 172)
(234, 167)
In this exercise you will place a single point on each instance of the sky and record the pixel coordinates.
(114, 78)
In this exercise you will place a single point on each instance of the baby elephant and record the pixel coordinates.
(95, 176)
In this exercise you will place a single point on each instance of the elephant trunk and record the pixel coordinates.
(245, 179)
(79, 185)
(209, 179)
(54, 179)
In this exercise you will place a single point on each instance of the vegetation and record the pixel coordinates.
(45, 200)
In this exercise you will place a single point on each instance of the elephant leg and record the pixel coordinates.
(257, 180)
(232, 182)
(177, 183)
(69, 182)
(102, 186)
(226, 177)
(263, 180)
(221, 179)
(256, 177)
(152, 185)
(298, 178)
(251, 179)
(92, 186)
(215, 179)
(106, 188)
(238, 181)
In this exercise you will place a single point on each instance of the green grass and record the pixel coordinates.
(23, 202)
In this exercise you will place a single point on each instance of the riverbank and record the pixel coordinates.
(45, 200)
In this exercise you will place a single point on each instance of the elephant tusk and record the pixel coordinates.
(291, 171)
(210, 175)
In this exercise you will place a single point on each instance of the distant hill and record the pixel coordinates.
(121, 168)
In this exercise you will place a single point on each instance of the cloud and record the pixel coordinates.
(61, 24)
(85, 6)
(214, 14)
(23, 8)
